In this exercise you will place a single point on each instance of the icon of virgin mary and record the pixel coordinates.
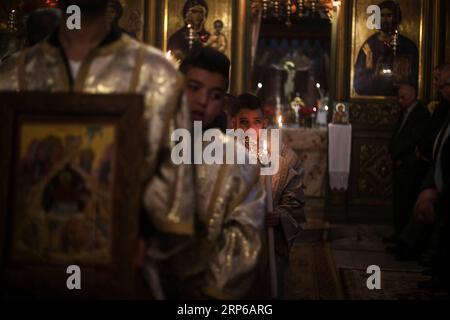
(193, 35)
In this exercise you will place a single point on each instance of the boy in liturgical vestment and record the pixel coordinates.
(287, 194)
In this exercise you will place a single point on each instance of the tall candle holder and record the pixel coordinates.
(288, 13)
(265, 4)
(301, 8)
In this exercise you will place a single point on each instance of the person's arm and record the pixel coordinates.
(169, 193)
(427, 143)
(290, 210)
(236, 250)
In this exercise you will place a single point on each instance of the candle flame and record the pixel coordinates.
(280, 121)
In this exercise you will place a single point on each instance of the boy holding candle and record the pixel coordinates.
(287, 188)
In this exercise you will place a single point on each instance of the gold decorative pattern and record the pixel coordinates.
(375, 175)
(374, 114)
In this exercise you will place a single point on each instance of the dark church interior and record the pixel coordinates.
(115, 126)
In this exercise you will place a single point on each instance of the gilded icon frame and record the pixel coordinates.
(236, 16)
(359, 33)
(42, 272)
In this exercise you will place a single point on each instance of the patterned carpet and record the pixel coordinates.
(395, 285)
(313, 275)
(330, 262)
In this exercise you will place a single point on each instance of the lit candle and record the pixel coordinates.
(269, 193)
(337, 4)
(270, 232)
(280, 122)
(172, 59)
(259, 87)
(268, 179)
(320, 91)
(265, 151)
(263, 154)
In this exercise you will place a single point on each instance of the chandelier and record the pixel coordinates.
(292, 10)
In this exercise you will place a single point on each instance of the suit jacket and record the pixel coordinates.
(443, 204)
(435, 125)
(406, 138)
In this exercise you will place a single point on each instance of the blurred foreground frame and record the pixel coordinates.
(69, 194)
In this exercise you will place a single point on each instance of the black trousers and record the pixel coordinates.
(407, 183)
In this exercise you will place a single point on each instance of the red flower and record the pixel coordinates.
(306, 111)
(30, 6)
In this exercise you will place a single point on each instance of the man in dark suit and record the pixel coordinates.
(433, 204)
(425, 147)
(408, 169)
(418, 235)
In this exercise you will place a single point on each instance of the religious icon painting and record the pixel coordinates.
(388, 51)
(191, 24)
(128, 16)
(65, 171)
(62, 200)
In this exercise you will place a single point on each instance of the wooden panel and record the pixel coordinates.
(370, 188)
(374, 116)
(371, 169)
